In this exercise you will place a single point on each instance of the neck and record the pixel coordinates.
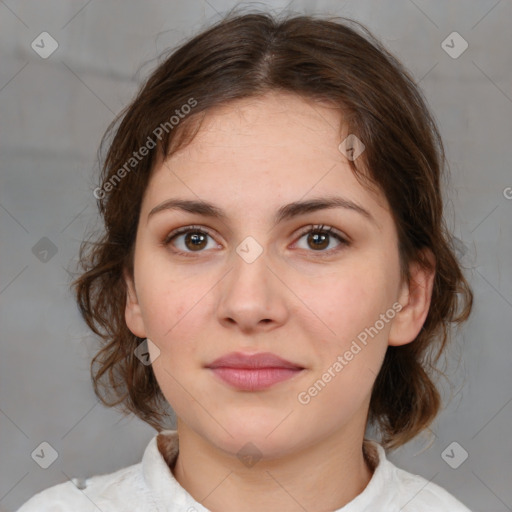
(322, 477)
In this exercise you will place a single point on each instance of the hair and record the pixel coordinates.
(319, 59)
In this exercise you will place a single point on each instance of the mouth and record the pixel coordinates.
(253, 372)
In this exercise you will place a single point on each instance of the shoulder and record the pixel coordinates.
(105, 492)
(417, 494)
(398, 490)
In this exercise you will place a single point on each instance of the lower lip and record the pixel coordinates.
(254, 379)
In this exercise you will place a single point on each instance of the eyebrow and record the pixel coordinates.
(285, 212)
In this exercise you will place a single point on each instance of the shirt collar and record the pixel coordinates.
(165, 489)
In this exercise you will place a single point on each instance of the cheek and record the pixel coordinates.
(353, 346)
(168, 297)
(176, 315)
(352, 299)
(350, 304)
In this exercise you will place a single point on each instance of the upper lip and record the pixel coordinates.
(250, 361)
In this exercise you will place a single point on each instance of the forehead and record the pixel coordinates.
(263, 151)
(271, 122)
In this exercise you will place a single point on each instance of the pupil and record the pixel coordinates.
(196, 239)
(315, 237)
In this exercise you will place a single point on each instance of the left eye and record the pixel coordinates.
(319, 238)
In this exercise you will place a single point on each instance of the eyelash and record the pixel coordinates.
(319, 229)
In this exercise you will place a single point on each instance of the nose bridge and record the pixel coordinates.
(250, 269)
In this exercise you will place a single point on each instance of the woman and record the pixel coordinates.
(276, 268)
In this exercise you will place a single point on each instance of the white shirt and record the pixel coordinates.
(150, 486)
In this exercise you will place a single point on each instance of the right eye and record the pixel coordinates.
(189, 239)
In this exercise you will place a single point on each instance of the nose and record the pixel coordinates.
(252, 297)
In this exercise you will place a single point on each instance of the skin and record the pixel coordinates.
(249, 158)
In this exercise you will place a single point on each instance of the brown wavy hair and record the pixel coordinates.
(334, 60)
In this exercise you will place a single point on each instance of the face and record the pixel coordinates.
(326, 301)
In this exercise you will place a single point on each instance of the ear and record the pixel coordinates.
(132, 312)
(415, 300)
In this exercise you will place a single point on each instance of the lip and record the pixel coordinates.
(253, 372)
(252, 361)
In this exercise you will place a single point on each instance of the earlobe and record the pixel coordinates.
(133, 313)
(415, 298)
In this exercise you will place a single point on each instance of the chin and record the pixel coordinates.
(261, 439)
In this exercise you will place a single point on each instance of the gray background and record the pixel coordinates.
(53, 114)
